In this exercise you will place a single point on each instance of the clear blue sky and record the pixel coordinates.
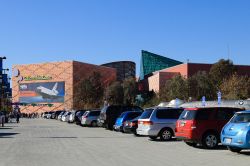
(100, 31)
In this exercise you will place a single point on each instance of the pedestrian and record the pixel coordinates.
(18, 116)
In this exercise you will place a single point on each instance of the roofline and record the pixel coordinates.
(118, 62)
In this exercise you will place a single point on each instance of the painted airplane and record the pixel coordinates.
(48, 93)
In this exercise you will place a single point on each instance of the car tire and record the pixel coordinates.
(166, 135)
(191, 144)
(153, 137)
(210, 140)
(94, 124)
(136, 135)
(234, 149)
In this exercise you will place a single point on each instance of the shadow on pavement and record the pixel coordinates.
(247, 153)
(158, 140)
(7, 135)
(5, 128)
(219, 147)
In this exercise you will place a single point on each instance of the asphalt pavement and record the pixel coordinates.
(42, 142)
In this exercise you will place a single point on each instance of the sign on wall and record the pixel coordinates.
(46, 92)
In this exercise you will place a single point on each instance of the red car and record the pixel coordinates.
(203, 125)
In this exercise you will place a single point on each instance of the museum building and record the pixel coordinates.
(53, 86)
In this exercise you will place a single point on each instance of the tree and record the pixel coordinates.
(200, 85)
(174, 88)
(235, 87)
(114, 93)
(130, 90)
(90, 91)
(221, 70)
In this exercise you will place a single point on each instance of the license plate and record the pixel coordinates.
(228, 140)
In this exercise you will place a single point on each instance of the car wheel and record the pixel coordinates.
(191, 144)
(210, 140)
(135, 134)
(166, 135)
(234, 149)
(153, 137)
(93, 124)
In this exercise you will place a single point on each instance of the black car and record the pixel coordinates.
(78, 116)
(109, 114)
(130, 126)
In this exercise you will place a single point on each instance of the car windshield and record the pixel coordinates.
(147, 113)
(241, 118)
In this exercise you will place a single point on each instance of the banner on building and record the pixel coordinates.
(46, 92)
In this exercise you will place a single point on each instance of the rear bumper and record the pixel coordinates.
(147, 132)
(236, 141)
(129, 130)
(118, 128)
(187, 137)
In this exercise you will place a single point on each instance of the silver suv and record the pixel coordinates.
(158, 122)
(89, 118)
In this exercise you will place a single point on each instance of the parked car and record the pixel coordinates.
(49, 115)
(203, 125)
(60, 115)
(130, 126)
(158, 122)
(109, 114)
(89, 118)
(55, 114)
(44, 115)
(72, 117)
(236, 133)
(128, 115)
(2, 119)
(65, 117)
(78, 116)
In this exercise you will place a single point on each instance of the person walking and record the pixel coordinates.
(18, 116)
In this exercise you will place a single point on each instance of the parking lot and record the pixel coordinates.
(50, 142)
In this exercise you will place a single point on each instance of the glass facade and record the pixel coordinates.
(124, 69)
(151, 62)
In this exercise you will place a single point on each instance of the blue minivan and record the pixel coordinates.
(236, 133)
(128, 115)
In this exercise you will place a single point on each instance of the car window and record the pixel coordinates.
(187, 115)
(146, 114)
(133, 115)
(94, 113)
(203, 114)
(241, 118)
(168, 113)
(225, 113)
(85, 113)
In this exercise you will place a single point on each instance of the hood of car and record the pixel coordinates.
(233, 129)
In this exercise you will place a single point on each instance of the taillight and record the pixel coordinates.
(193, 125)
(147, 123)
(132, 124)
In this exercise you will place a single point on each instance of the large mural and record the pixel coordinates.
(46, 92)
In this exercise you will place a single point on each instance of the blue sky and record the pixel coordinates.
(100, 31)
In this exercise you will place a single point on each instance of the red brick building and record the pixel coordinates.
(52, 86)
(159, 78)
